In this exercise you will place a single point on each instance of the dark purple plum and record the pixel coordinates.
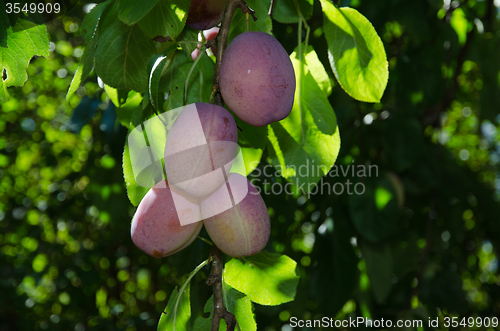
(257, 80)
(205, 14)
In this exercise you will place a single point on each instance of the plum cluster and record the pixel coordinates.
(200, 148)
(257, 83)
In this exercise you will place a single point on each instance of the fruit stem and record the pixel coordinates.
(247, 22)
(206, 240)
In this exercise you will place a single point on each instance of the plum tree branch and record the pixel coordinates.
(221, 40)
(215, 277)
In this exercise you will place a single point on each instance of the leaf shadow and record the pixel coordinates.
(354, 40)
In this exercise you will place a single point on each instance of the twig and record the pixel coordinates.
(215, 279)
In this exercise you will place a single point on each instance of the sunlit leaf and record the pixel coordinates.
(274, 273)
(118, 97)
(308, 138)
(177, 313)
(24, 40)
(357, 55)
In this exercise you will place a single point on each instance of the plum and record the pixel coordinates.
(257, 80)
(156, 228)
(241, 229)
(205, 14)
(202, 140)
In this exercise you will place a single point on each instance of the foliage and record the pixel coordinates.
(421, 241)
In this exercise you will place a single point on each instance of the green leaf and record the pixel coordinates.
(149, 176)
(252, 141)
(157, 66)
(131, 11)
(263, 22)
(251, 136)
(90, 25)
(188, 34)
(24, 40)
(124, 53)
(237, 303)
(285, 11)
(135, 192)
(204, 324)
(85, 67)
(460, 24)
(118, 97)
(305, 145)
(375, 212)
(240, 305)
(88, 57)
(318, 72)
(274, 274)
(177, 313)
(199, 86)
(75, 82)
(250, 159)
(379, 267)
(167, 18)
(109, 16)
(91, 21)
(246, 160)
(357, 55)
(125, 111)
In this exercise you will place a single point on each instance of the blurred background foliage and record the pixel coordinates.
(430, 248)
